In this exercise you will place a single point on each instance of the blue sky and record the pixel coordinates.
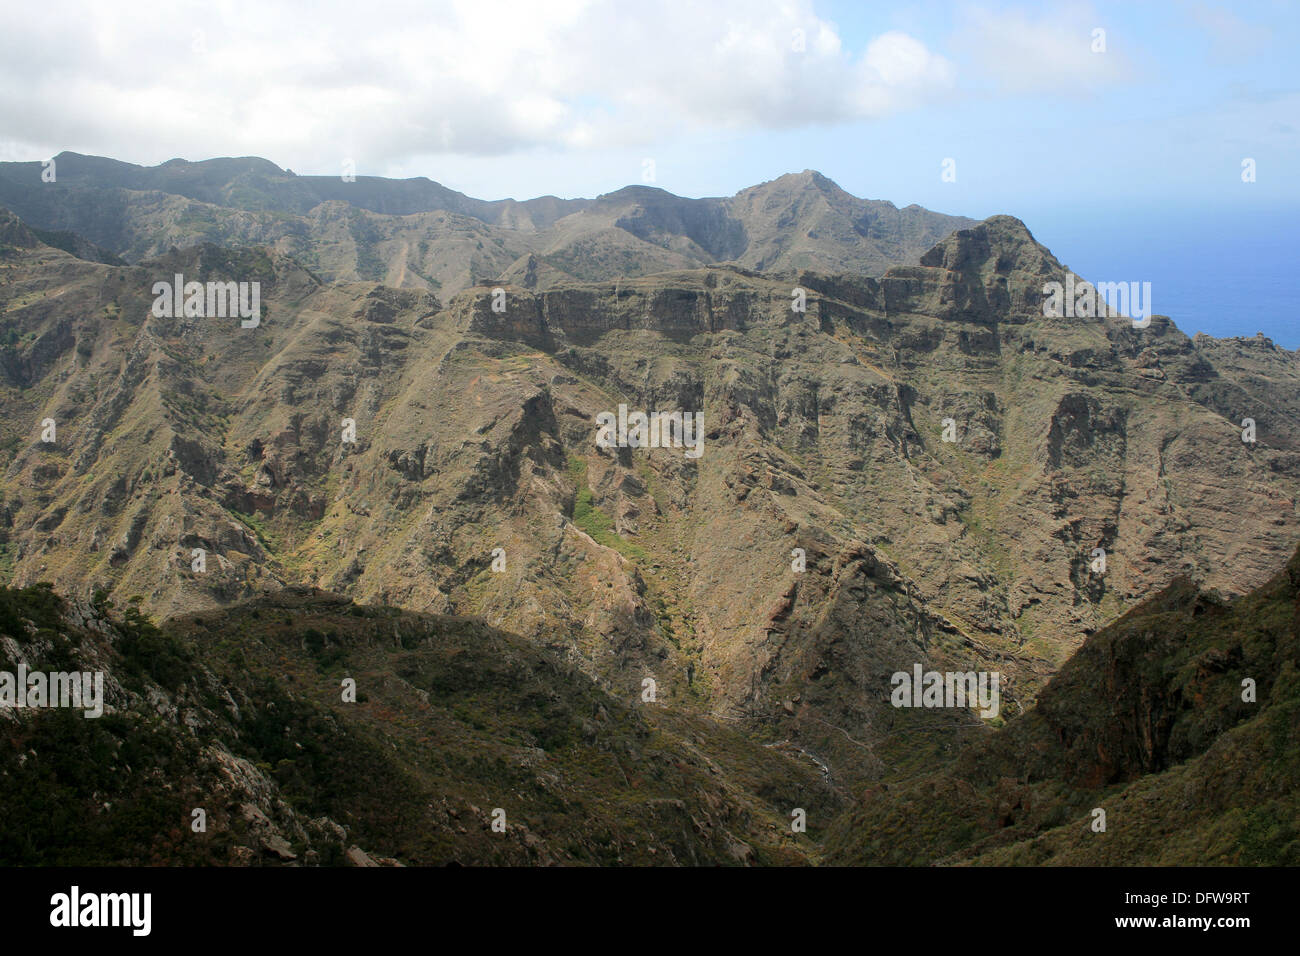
(1195, 88)
(1193, 99)
(1102, 153)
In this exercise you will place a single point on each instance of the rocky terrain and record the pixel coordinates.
(910, 467)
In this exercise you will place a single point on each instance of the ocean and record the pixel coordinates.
(1226, 270)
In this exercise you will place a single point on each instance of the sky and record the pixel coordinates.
(1092, 122)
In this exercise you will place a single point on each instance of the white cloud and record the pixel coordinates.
(383, 81)
(1046, 51)
(898, 71)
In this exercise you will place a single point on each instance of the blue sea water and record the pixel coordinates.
(1224, 270)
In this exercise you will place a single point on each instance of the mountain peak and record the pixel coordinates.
(813, 177)
(806, 180)
(15, 232)
(636, 191)
(1003, 239)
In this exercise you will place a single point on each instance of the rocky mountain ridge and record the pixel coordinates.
(419, 234)
(825, 435)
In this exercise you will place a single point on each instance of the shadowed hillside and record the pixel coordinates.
(1181, 721)
(242, 714)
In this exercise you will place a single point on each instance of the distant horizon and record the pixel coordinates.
(1074, 206)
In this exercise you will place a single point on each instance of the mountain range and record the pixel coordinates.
(904, 462)
(418, 234)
